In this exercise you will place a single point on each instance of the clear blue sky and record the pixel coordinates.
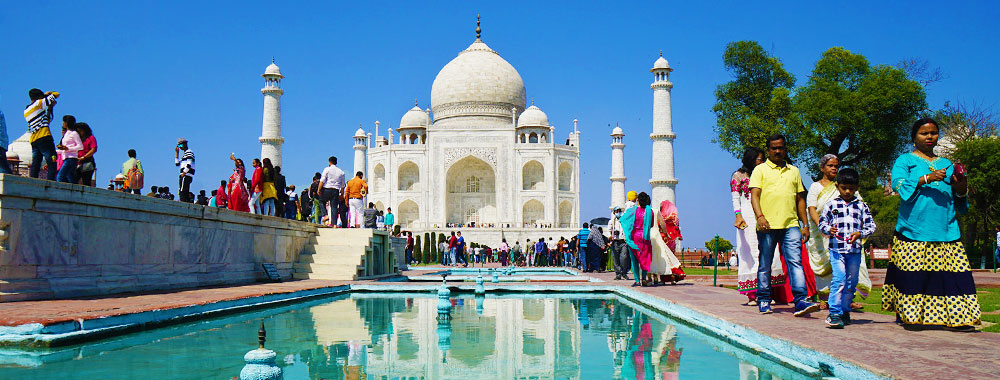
(144, 73)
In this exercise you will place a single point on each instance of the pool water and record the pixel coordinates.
(503, 275)
(398, 336)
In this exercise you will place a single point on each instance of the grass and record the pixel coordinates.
(696, 271)
(989, 301)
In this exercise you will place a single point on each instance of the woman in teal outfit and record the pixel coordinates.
(929, 281)
(636, 224)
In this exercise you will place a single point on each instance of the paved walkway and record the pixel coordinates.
(873, 342)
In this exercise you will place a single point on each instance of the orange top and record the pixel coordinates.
(356, 188)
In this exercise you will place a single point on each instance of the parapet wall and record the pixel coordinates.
(61, 241)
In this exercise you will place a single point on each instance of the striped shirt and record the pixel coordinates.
(848, 217)
(36, 114)
(186, 163)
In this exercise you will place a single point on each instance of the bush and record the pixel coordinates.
(427, 248)
(417, 253)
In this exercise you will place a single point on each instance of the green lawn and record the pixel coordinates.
(707, 271)
(989, 301)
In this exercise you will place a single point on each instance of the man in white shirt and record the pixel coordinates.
(619, 250)
(331, 183)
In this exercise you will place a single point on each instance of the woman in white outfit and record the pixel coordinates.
(821, 192)
(746, 239)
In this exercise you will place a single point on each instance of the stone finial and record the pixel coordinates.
(415, 103)
(272, 58)
(261, 335)
(661, 52)
(479, 31)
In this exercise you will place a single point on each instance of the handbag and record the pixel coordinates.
(86, 166)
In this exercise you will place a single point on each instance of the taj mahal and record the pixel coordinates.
(480, 159)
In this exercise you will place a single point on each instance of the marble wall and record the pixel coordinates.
(61, 241)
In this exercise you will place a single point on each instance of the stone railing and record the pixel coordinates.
(61, 241)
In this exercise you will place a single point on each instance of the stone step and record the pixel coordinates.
(328, 249)
(349, 239)
(315, 276)
(327, 268)
(331, 259)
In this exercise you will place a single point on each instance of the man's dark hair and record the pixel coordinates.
(370, 205)
(920, 123)
(277, 169)
(69, 119)
(131, 153)
(359, 175)
(333, 160)
(214, 192)
(316, 176)
(776, 137)
(152, 189)
(848, 176)
(222, 183)
(35, 94)
(585, 225)
(201, 192)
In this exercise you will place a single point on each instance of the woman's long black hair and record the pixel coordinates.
(750, 159)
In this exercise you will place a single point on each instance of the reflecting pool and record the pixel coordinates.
(399, 336)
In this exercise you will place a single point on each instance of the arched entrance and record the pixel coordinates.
(566, 214)
(532, 212)
(532, 176)
(409, 176)
(408, 213)
(471, 192)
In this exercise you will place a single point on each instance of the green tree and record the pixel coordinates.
(428, 247)
(756, 103)
(417, 253)
(859, 112)
(981, 158)
(884, 206)
(724, 245)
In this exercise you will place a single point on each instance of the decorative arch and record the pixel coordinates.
(380, 206)
(408, 176)
(413, 138)
(470, 192)
(543, 139)
(532, 176)
(565, 176)
(379, 180)
(408, 213)
(533, 138)
(566, 214)
(532, 212)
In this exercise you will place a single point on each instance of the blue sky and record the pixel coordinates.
(144, 73)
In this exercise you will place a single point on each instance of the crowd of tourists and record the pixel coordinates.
(820, 233)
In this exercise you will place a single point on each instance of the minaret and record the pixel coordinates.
(617, 168)
(270, 139)
(662, 180)
(360, 149)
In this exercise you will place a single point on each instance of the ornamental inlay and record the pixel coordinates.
(489, 155)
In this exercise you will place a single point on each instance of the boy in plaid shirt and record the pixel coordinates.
(846, 220)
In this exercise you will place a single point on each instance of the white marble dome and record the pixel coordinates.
(478, 82)
(415, 117)
(617, 131)
(533, 117)
(661, 63)
(359, 133)
(273, 69)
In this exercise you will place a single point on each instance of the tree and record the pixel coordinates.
(981, 158)
(417, 253)
(756, 103)
(964, 122)
(859, 112)
(428, 248)
(920, 70)
(884, 205)
(724, 245)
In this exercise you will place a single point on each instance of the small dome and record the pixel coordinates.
(11, 155)
(617, 131)
(273, 69)
(661, 63)
(360, 133)
(415, 117)
(533, 117)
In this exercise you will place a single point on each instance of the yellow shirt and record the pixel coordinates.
(356, 188)
(778, 188)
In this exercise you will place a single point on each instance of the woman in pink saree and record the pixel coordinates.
(665, 263)
(238, 197)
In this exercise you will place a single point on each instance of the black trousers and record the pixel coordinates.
(620, 257)
(184, 184)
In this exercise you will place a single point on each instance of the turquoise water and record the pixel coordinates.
(398, 336)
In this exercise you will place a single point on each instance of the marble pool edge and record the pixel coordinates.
(803, 359)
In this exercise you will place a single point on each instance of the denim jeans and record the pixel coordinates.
(43, 149)
(67, 172)
(845, 280)
(409, 255)
(583, 258)
(791, 250)
(255, 203)
(568, 259)
(267, 207)
(451, 256)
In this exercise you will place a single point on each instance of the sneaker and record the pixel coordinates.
(764, 307)
(803, 308)
(834, 321)
(846, 318)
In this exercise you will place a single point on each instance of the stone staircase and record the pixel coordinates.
(340, 254)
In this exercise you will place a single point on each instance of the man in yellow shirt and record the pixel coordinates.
(779, 203)
(355, 192)
(38, 114)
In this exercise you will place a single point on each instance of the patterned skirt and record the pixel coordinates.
(930, 283)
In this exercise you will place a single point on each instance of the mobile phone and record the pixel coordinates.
(959, 170)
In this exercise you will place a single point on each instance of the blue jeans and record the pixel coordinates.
(409, 255)
(43, 149)
(791, 250)
(451, 256)
(583, 258)
(267, 207)
(568, 259)
(845, 280)
(67, 172)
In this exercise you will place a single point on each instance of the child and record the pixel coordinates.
(846, 220)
